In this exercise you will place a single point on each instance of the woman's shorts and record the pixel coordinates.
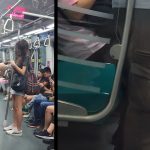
(13, 92)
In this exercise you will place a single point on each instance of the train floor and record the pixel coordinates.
(87, 136)
(26, 142)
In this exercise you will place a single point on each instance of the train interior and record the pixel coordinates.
(32, 20)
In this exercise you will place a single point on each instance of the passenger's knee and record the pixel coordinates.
(17, 109)
(50, 109)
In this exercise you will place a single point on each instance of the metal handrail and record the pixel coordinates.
(111, 104)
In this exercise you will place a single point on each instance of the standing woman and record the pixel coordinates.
(19, 66)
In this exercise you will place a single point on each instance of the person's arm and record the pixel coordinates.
(18, 69)
(44, 87)
(52, 85)
(80, 3)
(3, 66)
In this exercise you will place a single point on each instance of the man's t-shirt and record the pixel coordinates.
(143, 4)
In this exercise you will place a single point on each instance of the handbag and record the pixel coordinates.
(32, 87)
(18, 82)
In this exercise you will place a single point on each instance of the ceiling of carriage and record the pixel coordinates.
(43, 7)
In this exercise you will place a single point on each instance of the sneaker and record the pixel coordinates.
(44, 135)
(10, 127)
(6, 98)
(14, 132)
(48, 141)
(26, 115)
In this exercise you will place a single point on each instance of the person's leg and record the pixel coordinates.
(136, 132)
(43, 107)
(18, 110)
(37, 109)
(37, 113)
(17, 105)
(14, 122)
(50, 129)
(48, 116)
(48, 133)
(14, 112)
(30, 101)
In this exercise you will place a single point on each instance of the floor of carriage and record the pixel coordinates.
(25, 142)
(87, 136)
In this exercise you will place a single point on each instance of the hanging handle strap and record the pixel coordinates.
(37, 43)
(47, 41)
(10, 20)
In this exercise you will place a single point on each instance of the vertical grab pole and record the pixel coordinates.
(128, 20)
(36, 61)
(9, 97)
(10, 82)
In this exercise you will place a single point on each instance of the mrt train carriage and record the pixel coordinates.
(33, 21)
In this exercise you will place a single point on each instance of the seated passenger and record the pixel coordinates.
(45, 83)
(40, 102)
(78, 47)
(47, 131)
(39, 111)
(40, 76)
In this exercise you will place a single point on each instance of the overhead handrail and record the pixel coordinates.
(38, 15)
(111, 104)
(17, 3)
(24, 26)
(85, 11)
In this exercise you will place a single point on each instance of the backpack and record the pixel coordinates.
(32, 87)
(18, 82)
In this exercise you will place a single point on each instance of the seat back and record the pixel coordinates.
(85, 83)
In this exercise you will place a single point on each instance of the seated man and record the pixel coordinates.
(88, 26)
(39, 106)
(47, 132)
(40, 103)
(46, 84)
